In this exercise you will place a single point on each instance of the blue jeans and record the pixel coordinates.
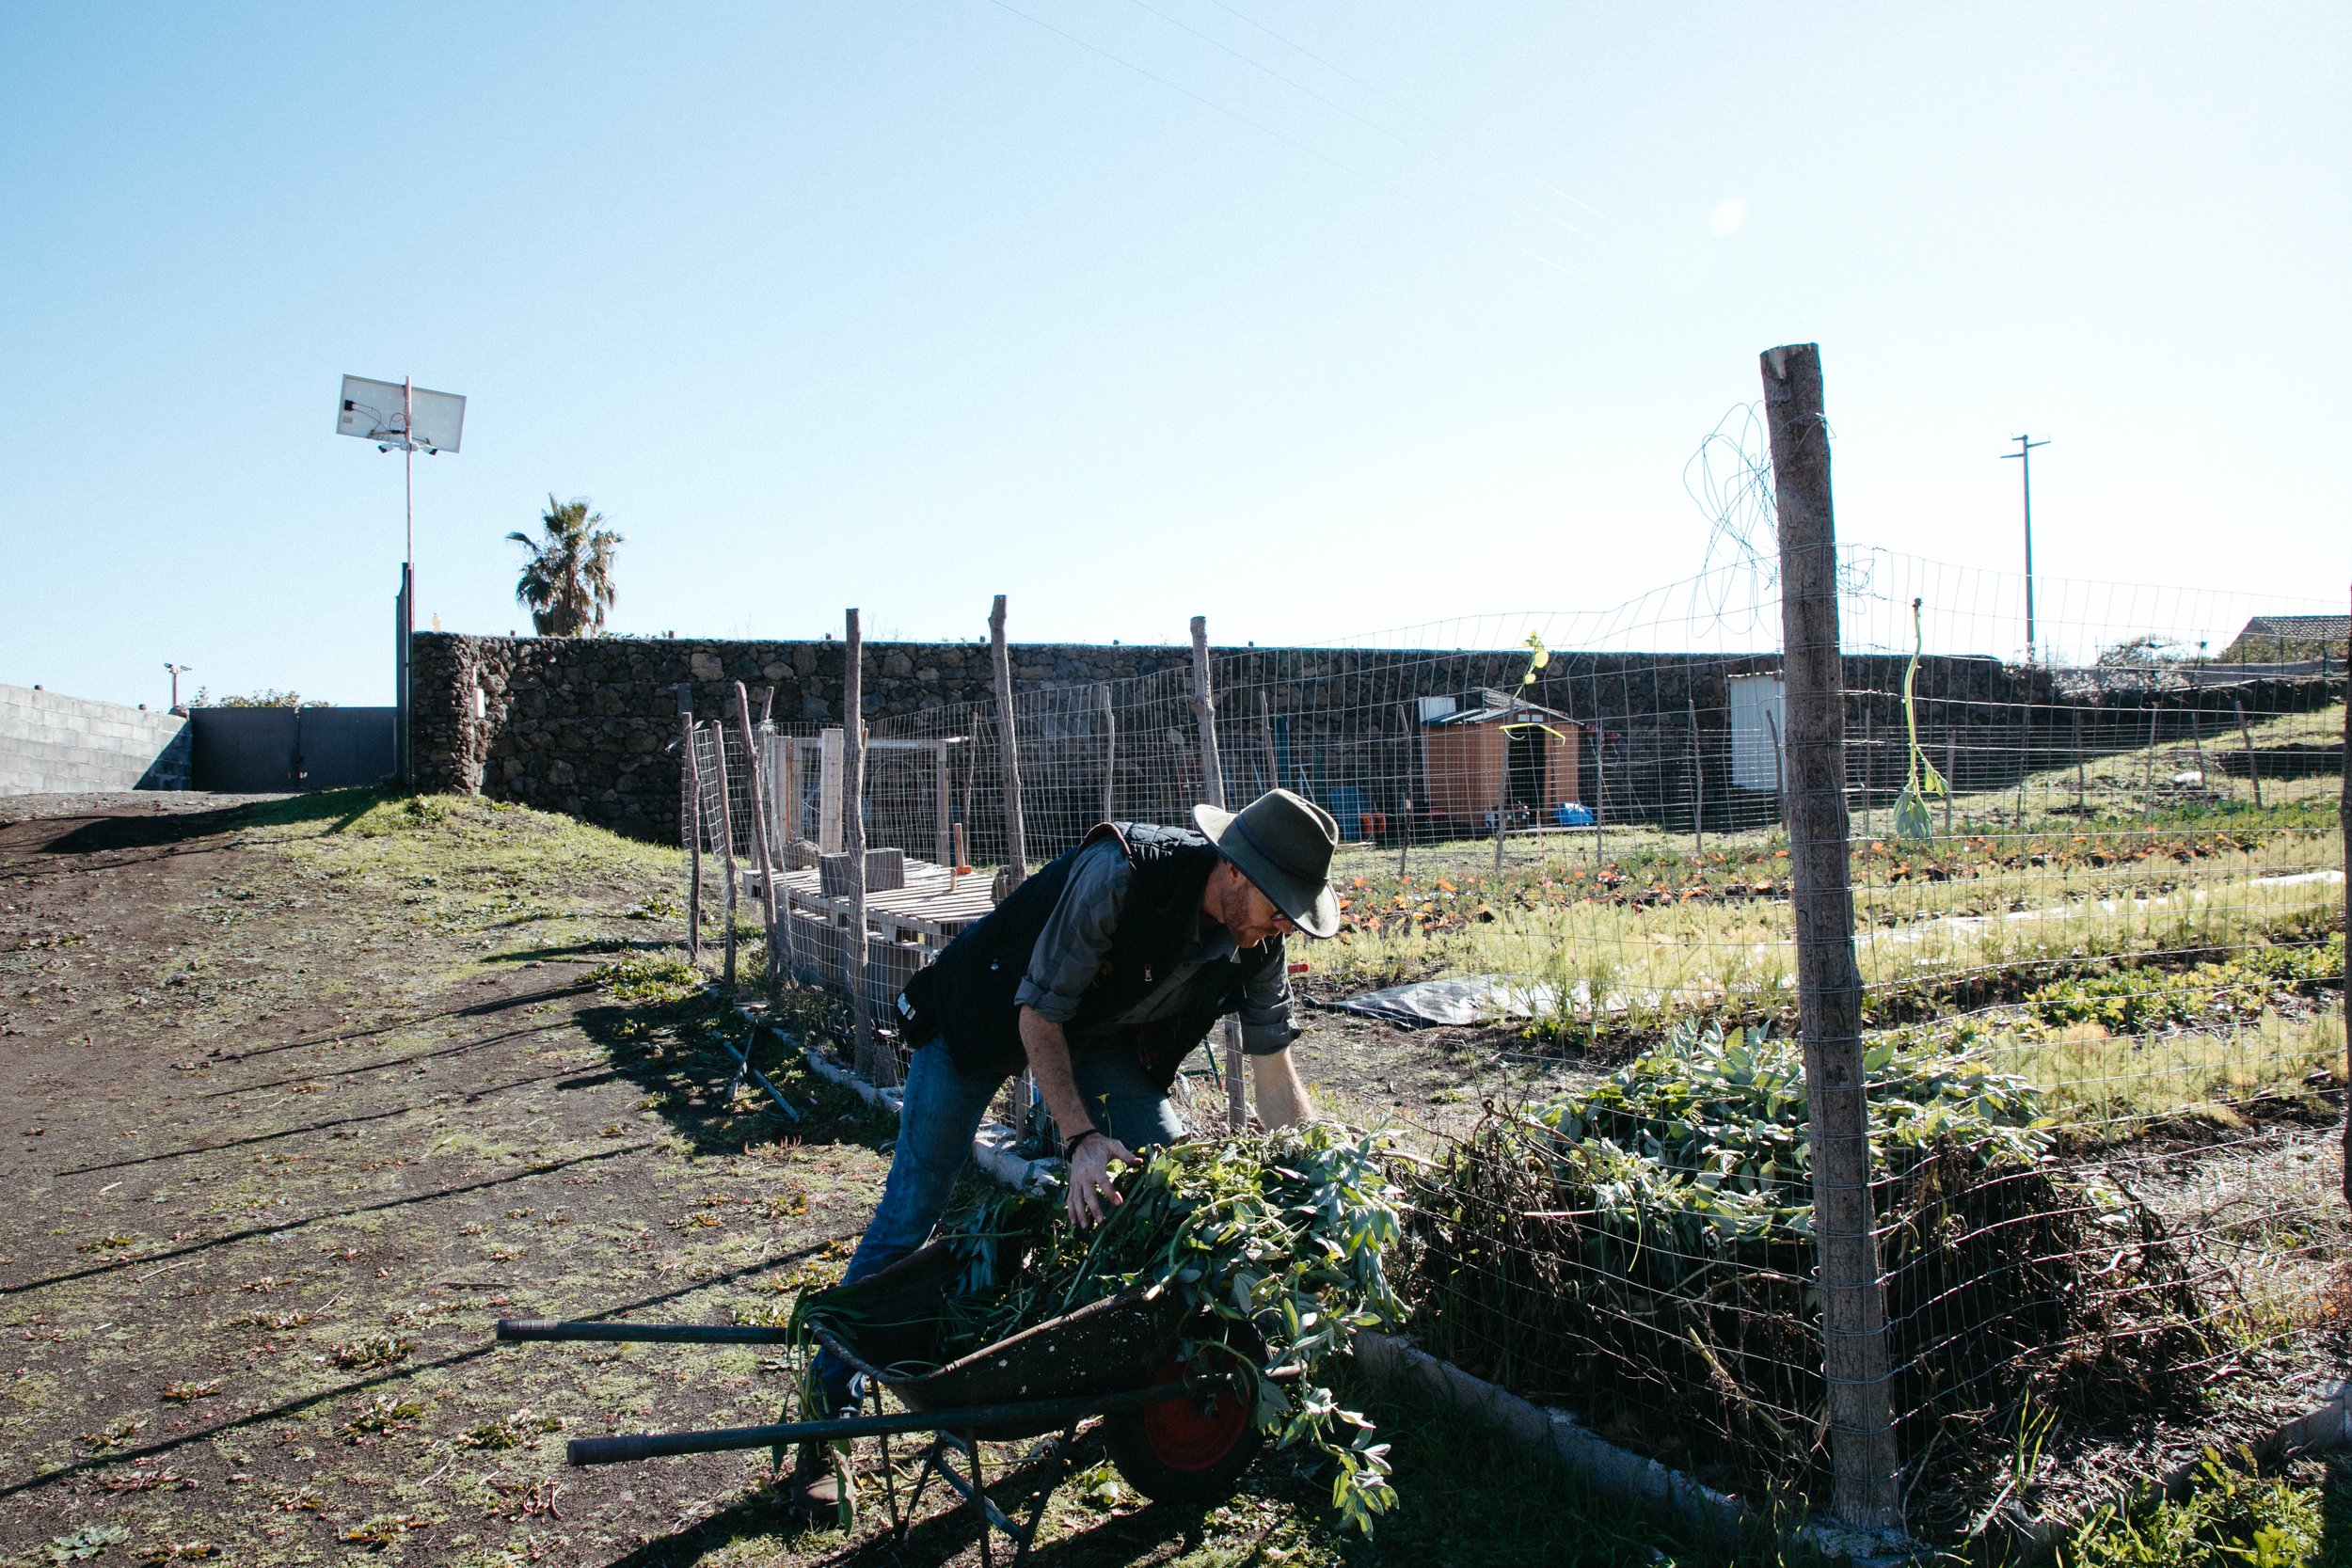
(937, 1121)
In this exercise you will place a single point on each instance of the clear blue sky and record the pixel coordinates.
(1133, 311)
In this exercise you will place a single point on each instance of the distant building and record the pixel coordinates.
(2278, 639)
(1489, 751)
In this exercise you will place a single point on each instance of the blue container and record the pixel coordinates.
(1570, 815)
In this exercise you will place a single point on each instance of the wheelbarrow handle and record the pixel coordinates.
(511, 1329)
(1046, 1413)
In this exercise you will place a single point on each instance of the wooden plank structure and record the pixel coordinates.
(1497, 751)
(905, 926)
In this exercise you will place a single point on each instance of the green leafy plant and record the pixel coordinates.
(86, 1543)
(2232, 1518)
(1912, 822)
(1278, 1239)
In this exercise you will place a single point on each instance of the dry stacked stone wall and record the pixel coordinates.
(584, 725)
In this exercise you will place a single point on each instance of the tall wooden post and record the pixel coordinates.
(1867, 1484)
(1110, 751)
(1212, 790)
(726, 850)
(867, 1058)
(2253, 771)
(1952, 776)
(771, 865)
(1600, 788)
(2343, 819)
(2074, 713)
(1698, 780)
(690, 822)
(1008, 762)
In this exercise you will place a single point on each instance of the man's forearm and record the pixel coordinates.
(1048, 1050)
(1281, 1097)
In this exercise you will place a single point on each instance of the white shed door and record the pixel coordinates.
(1758, 717)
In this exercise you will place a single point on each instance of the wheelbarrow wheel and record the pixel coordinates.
(1192, 1450)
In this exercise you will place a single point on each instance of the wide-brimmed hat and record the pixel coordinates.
(1282, 843)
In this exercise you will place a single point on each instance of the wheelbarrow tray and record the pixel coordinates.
(891, 1320)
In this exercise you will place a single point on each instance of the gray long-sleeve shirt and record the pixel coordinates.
(1070, 953)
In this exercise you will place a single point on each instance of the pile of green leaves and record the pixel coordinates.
(1277, 1239)
(1704, 1144)
(1644, 1252)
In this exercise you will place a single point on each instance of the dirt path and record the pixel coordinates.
(282, 1143)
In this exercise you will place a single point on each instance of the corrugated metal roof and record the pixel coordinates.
(1496, 708)
(2299, 628)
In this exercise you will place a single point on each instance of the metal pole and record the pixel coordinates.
(1867, 1484)
(2024, 456)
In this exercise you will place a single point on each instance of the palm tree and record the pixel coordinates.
(567, 582)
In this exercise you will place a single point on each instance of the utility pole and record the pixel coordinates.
(2024, 458)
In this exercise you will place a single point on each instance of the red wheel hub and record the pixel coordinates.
(1184, 1437)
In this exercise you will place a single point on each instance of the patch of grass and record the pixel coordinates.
(2232, 1517)
(384, 1412)
(374, 1350)
(511, 1431)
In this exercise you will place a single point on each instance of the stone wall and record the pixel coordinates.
(65, 745)
(584, 725)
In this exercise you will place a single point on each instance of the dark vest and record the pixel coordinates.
(965, 995)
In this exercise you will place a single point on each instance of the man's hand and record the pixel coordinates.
(1090, 1197)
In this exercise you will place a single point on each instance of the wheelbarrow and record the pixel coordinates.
(1178, 1431)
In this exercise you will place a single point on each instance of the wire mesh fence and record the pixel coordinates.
(2097, 906)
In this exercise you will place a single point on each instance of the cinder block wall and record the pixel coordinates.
(52, 744)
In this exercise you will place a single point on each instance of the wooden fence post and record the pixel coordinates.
(1110, 752)
(2253, 771)
(1952, 776)
(726, 852)
(1008, 762)
(778, 960)
(2148, 773)
(1600, 788)
(868, 1060)
(691, 823)
(1698, 780)
(1212, 790)
(2197, 733)
(2344, 818)
(1867, 1489)
(2075, 712)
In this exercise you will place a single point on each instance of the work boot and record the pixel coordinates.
(819, 1490)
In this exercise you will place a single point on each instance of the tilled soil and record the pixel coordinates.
(289, 1121)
